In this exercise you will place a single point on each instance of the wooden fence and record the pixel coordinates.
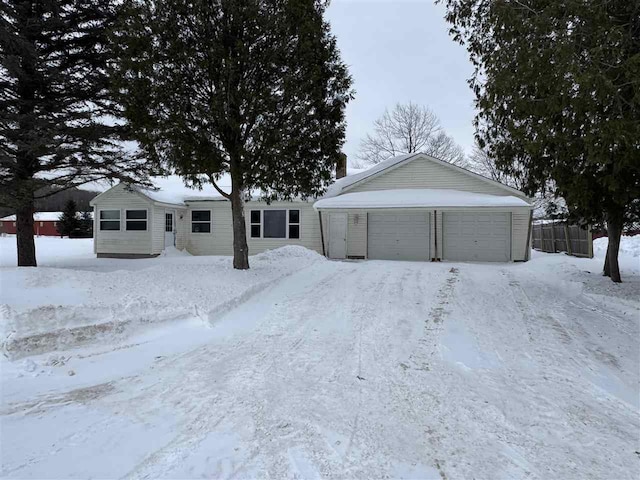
(554, 237)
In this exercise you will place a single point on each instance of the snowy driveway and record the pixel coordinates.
(352, 370)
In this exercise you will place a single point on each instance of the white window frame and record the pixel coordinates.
(252, 223)
(298, 223)
(210, 222)
(287, 223)
(100, 220)
(145, 220)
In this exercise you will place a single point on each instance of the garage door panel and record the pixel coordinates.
(477, 237)
(398, 236)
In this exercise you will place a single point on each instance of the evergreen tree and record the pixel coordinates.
(58, 126)
(255, 89)
(557, 87)
(69, 223)
(86, 225)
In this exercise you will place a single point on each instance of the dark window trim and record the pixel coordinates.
(210, 221)
(287, 223)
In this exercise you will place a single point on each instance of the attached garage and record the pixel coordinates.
(476, 236)
(416, 207)
(398, 236)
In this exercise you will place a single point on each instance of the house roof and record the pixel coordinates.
(346, 183)
(172, 190)
(416, 198)
(343, 183)
(39, 217)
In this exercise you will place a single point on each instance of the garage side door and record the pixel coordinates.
(398, 236)
(483, 237)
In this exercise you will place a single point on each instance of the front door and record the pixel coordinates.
(169, 230)
(337, 235)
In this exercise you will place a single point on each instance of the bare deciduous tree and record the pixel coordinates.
(481, 162)
(547, 203)
(409, 128)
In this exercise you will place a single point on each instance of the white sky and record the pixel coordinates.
(400, 51)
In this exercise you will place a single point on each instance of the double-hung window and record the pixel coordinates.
(275, 224)
(136, 220)
(294, 224)
(109, 219)
(256, 223)
(201, 221)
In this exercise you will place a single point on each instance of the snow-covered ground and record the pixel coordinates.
(84, 299)
(307, 368)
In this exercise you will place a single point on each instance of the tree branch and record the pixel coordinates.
(220, 191)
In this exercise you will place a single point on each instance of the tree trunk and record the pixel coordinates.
(607, 269)
(24, 235)
(240, 248)
(614, 232)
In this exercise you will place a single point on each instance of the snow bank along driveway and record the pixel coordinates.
(350, 370)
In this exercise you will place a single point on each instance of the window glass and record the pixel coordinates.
(255, 223)
(109, 219)
(136, 220)
(109, 214)
(136, 214)
(136, 225)
(294, 216)
(294, 231)
(109, 225)
(202, 227)
(274, 223)
(201, 221)
(201, 216)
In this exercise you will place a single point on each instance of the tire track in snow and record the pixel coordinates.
(251, 361)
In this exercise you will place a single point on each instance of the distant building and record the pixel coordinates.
(44, 223)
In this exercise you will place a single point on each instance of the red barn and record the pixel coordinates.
(44, 223)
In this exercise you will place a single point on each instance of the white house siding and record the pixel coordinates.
(182, 223)
(220, 240)
(519, 235)
(423, 173)
(157, 232)
(159, 225)
(123, 242)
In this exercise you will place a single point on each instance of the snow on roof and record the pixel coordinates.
(171, 189)
(415, 198)
(344, 182)
(39, 217)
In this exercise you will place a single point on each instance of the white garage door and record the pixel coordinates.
(483, 237)
(398, 236)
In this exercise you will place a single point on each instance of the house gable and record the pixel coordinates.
(122, 195)
(422, 171)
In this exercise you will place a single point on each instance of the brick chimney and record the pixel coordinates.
(341, 166)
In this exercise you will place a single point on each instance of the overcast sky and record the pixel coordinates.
(400, 51)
